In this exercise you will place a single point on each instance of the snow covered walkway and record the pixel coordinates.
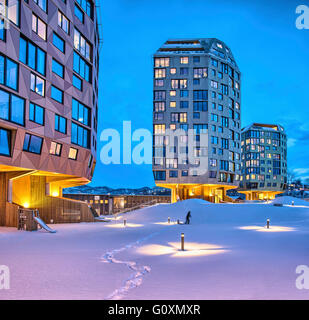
(229, 254)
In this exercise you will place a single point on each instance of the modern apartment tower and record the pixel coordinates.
(264, 161)
(49, 61)
(196, 89)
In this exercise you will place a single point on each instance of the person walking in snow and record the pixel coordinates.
(188, 218)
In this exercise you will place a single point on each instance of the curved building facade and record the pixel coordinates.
(197, 92)
(49, 61)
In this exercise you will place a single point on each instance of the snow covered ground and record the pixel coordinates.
(229, 254)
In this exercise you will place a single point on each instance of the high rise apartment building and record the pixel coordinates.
(196, 87)
(264, 161)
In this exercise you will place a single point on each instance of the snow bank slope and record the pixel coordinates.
(287, 200)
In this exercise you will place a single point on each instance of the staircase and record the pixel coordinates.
(94, 213)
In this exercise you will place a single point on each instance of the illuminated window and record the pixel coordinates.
(55, 149)
(73, 153)
(162, 62)
(172, 126)
(184, 60)
(160, 73)
(173, 93)
(159, 128)
(173, 71)
(63, 22)
(172, 104)
(39, 27)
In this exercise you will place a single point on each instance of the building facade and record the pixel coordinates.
(105, 204)
(264, 161)
(49, 62)
(196, 119)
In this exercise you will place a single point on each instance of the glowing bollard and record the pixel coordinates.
(267, 223)
(292, 203)
(124, 222)
(182, 241)
(169, 220)
(178, 221)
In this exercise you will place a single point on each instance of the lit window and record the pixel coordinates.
(172, 93)
(184, 60)
(173, 71)
(38, 26)
(172, 104)
(55, 148)
(73, 154)
(12, 11)
(63, 22)
(82, 45)
(161, 62)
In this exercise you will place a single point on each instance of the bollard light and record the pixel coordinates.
(124, 222)
(169, 220)
(267, 223)
(182, 241)
(51, 221)
(177, 221)
(292, 203)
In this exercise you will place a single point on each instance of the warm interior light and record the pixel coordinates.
(26, 205)
(55, 194)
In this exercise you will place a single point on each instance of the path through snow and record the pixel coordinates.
(136, 279)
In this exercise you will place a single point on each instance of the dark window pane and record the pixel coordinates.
(5, 142)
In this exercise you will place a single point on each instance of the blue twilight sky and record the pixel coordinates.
(271, 53)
